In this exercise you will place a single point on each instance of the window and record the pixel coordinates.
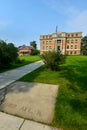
(50, 47)
(76, 34)
(58, 41)
(50, 42)
(46, 36)
(58, 47)
(75, 52)
(67, 52)
(46, 47)
(49, 36)
(43, 37)
(75, 46)
(43, 48)
(67, 41)
(68, 35)
(43, 42)
(71, 41)
(59, 35)
(67, 46)
(71, 52)
(71, 46)
(76, 41)
(46, 42)
(72, 35)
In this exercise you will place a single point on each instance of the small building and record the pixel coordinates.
(25, 50)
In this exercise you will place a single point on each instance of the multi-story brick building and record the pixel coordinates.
(68, 43)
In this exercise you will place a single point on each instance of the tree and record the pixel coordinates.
(84, 45)
(33, 43)
(8, 54)
(35, 52)
(53, 59)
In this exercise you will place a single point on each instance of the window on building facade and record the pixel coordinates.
(67, 41)
(72, 35)
(43, 42)
(71, 52)
(50, 42)
(76, 41)
(71, 41)
(76, 34)
(60, 35)
(43, 47)
(67, 52)
(58, 47)
(67, 46)
(75, 46)
(46, 47)
(43, 37)
(46, 36)
(71, 46)
(58, 41)
(50, 47)
(68, 35)
(75, 52)
(49, 36)
(46, 42)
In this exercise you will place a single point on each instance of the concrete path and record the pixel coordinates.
(10, 76)
(9, 122)
(35, 101)
(14, 100)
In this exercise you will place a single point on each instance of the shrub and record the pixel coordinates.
(53, 59)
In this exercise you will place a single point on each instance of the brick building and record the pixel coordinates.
(25, 50)
(68, 43)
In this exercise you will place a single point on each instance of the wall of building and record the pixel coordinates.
(68, 43)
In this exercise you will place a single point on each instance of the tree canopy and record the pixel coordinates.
(8, 53)
(84, 45)
(33, 43)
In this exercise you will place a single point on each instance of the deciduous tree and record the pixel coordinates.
(84, 46)
(8, 54)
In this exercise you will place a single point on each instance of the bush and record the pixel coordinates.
(53, 59)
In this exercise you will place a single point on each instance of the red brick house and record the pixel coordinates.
(25, 50)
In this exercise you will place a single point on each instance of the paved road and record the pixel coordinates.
(10, 76)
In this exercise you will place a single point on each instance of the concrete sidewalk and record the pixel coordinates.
(35, 101)
(9, 122)
(10, 76)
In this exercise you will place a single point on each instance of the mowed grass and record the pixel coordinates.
(71, 103)
(23, 60)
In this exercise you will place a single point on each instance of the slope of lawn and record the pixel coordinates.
(22, 60)
(71, 104)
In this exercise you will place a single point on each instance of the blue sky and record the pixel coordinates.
(22, 21)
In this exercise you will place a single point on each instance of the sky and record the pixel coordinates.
(23, 21)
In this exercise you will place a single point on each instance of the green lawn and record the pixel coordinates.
(23, 61)
(71, 104)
